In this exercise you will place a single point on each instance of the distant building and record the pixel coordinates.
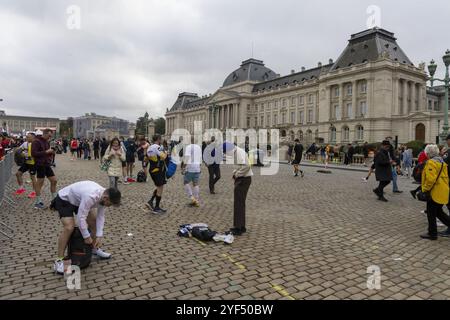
(19, 124)
(93, 125)
(372, 91)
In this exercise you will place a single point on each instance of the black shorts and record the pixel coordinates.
(124, 164)
(64, 208)
(159, 178)
(28, 167)
(44, 171)
(297, 161)
(130, 158)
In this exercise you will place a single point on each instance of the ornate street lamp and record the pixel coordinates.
(432, 70)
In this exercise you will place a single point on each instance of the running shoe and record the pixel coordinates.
(32, 195)
(20, 191)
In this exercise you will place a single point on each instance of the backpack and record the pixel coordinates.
(140, 154)
(417, 172)
(170, 169)
(141, 176)
(19, 159)
(203, 233)
(79, 252)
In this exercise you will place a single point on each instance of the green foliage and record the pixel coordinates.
(160, 125)
(416, 146)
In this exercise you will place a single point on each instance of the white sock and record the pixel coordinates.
(188, 189)
(197, 192)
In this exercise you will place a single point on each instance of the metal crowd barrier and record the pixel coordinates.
(6, 166)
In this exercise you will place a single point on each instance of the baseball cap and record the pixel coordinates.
(39, 133)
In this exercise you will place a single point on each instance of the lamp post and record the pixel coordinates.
(432, 69)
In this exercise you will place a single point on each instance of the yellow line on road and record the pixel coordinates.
(237, 264)
(202, 243)
(281, 291)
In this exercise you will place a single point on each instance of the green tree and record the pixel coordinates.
(160, 125)
(141, 124)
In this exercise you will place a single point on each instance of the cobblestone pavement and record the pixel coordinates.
(310, 238)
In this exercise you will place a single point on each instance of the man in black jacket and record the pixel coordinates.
(383, 169)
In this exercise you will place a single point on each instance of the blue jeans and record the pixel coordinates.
(394, 179)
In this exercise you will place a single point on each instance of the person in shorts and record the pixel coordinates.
(28, 166)
(192, 159)
(88, 201)
(43, 155)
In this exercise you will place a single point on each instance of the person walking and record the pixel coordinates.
(383, 169)
(192, 160)
(396, 167)
(115, 154)
(435, 183)
(43, 154)
(408, 161)
(103, 146)
(73, 148)
(213, 163)
(242, 176)
(446, 158)
(96, 147)
(131, 148)
(298, 154)
(28, 165)
(156, 157)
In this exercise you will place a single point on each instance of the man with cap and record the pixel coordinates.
(446, 158)
(88, 201)
(383, 169)
(242, 176)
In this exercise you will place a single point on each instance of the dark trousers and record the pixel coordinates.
(434, 210)
(214, 175)
(95, 154)
(241, 186)
(381, 186)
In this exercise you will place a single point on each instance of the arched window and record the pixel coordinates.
(292, 135)
(300, 135)
(359, 133)
(345, 134)
(332, 134)
(283, 133)
(309, 136)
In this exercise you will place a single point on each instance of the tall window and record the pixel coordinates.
(301, 117)
(275, 119)
(302, 100)
(363, 108)
(311, 98)
(332, 134)
(336, 92)
(283, 118)
(268, 120)
(293, 101)
(262, 121)
(349, 89)
(364, 87)
(359, 133)
(310, 116)
(346, 134)
(276, 103)
(256, 108)
(337, 112)
(284, 102)
(292, 117)
(349, 110)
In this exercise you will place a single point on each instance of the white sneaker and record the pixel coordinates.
(58, 267)
(364, 179)
(101, 254)
(439, 223)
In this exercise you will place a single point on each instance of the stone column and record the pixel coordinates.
(341, 101)
(405, 97)
(413, 97)
(229, 116)
(354, 99)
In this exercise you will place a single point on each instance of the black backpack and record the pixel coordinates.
(417, 172)
(19, 159)
(203, 234)
(141, 176)
(80, 253)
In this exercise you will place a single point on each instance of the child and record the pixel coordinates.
(116, 155)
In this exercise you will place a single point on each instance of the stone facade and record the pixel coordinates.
(92, 125)
(371, 92)
(17, 124)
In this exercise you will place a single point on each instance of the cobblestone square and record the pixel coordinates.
(310, 238)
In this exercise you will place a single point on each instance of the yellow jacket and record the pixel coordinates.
(440, 192)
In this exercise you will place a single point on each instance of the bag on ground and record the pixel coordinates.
(79, 252)
(141, 177)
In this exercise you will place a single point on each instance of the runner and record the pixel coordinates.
(42, 154)
(29, 165)
(192, 160)
(88, 201)
(298, 150)
(157, 172)
(73, 148)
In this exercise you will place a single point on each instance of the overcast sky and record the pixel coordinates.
(133, 56)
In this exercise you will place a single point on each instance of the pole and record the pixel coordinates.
(447, 81)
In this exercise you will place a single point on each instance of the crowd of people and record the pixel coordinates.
(84, 203)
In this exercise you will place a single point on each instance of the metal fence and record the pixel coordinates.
(6, 166)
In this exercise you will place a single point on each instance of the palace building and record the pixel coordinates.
(372, 91)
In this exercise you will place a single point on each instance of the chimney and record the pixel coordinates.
(319, 64)
(303, 69)
(292, 71)
(278, 75)
(330, 61)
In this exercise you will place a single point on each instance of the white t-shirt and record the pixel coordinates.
(193, 158)
(154, 150)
